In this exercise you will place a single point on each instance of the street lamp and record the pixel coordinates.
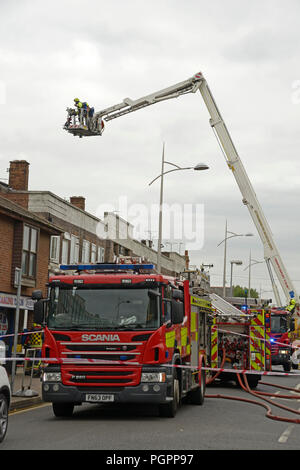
(249, 267)
(198, 167)
(237, 262)
(233, 234)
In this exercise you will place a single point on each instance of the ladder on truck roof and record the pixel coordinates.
(225, 308)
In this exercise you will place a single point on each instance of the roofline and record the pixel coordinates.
(57, 197)
(18, 212)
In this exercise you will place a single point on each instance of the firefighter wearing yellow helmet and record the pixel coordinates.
(292, 305)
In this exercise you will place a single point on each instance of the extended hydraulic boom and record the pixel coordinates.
(95, 126)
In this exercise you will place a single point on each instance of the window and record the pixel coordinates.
(93, 253)
(29, 253)
(85, 257)
(100, 254)
(54, 248)
(65, 252)
(74, 255)
(167, 311)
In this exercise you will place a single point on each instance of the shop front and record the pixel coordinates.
(8, 304)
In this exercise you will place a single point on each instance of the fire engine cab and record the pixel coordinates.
(121, 333)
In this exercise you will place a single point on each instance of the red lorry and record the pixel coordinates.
(121, 333)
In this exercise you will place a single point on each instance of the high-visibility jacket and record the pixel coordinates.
(291, 305)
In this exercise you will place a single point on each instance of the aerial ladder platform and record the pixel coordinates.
(96, 125)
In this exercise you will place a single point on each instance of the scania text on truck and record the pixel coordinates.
(120, 333)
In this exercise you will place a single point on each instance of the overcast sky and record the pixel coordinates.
(103, 51)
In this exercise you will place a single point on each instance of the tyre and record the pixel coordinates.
(63, 410)
(287, 366)
(253, 381)
(3, 416)
(169, 410)
(196, 396)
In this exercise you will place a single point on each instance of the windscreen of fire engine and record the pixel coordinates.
(122, 309)
(278, 324)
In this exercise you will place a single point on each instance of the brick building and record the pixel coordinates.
(85, 238)
(24, 243)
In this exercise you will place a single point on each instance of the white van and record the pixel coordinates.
(5, 394)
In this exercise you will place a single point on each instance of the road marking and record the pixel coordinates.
(286, 434)
(274, 396)
(24, 410)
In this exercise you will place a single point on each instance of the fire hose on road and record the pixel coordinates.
(260, 395)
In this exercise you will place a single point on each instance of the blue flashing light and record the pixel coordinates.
(244, 307)
(272, 340)
(106, 267)
(123, 358)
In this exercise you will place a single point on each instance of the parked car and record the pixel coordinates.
(5, 397)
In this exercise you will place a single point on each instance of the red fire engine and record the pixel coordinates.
(240, 340)
(119, 333)
(282, 327)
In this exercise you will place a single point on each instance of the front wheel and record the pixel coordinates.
(3, 416)
(169, 410)
(63, 410)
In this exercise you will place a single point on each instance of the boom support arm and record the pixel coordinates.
(271, 253)
(198, 82)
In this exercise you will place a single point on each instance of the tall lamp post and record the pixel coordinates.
(249, 267)
(198, 167)
(232, 235)
(238, 263)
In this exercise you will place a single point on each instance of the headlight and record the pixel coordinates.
(52, 377)
(283, 351)
(153, 377)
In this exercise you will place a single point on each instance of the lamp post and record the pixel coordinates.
(198, 167)
(232, 235)
(237, 262)
(249, 267)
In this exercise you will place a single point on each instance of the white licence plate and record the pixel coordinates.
(99, 397)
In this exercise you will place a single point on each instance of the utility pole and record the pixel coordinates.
(160, 211)
(18, 283)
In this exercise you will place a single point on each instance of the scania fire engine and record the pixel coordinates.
(121, 333)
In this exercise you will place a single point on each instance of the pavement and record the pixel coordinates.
(27, 391)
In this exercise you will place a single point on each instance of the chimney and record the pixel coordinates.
(187, 259)
(78, 201)
(18, 175)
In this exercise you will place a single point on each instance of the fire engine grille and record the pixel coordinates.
(83, 376)
(102, 347)
(101, 357)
